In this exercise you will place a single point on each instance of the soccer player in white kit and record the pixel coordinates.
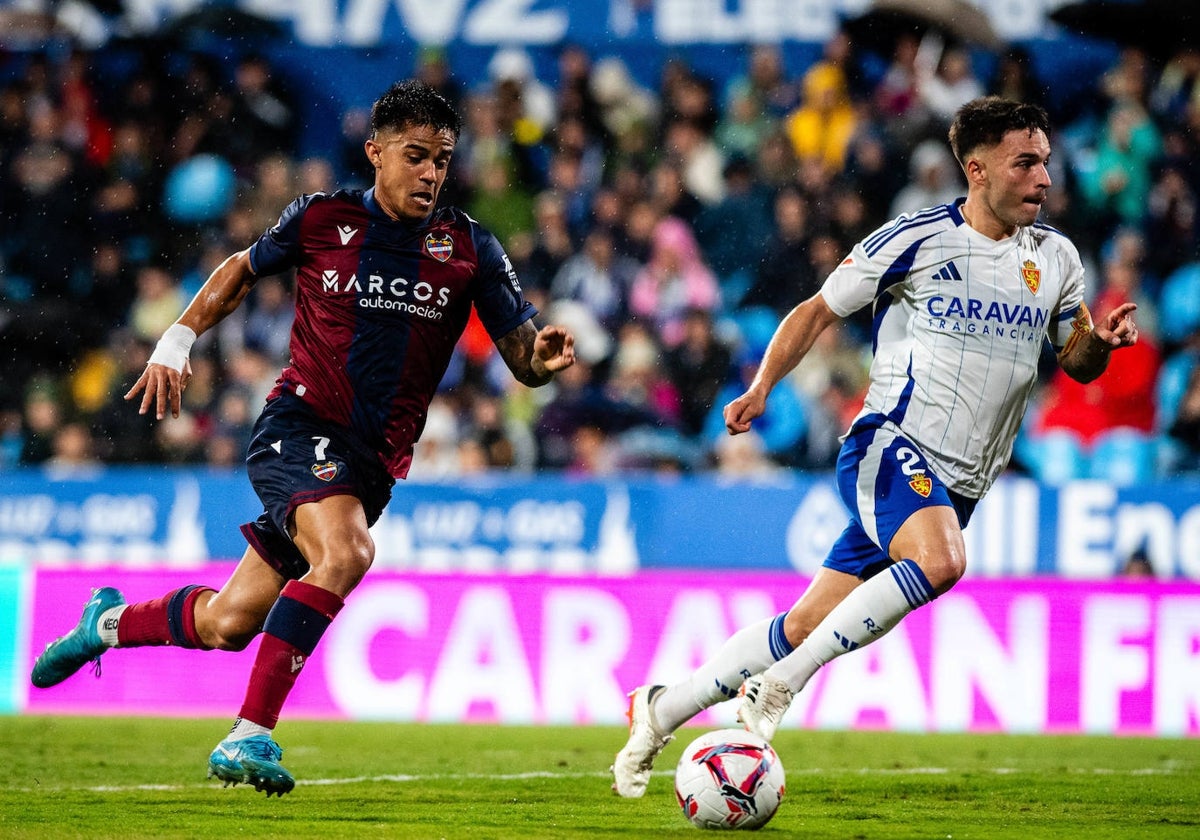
(964, 296)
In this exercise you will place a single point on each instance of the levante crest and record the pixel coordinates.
(440, 246)
(325, 470)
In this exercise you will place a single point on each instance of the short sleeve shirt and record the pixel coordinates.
(380, 306)
(959, 324)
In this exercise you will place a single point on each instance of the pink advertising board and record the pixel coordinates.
(1034, 655)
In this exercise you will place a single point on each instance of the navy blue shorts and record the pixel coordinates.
(883, 478)
(295, 458)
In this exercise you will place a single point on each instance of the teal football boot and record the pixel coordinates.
(253, 760)
(67, 654)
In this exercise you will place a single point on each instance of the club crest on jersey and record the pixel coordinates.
(439, 245)
(1032, 275)
(325, 471)
(921, 484)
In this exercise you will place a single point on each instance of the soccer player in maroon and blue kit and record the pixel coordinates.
(385, 284)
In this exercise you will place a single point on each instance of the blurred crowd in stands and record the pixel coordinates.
(670, 226)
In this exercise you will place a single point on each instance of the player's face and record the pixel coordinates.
(410, 168)
(1016, 178)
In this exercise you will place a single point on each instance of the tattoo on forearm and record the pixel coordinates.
(1081, 325)
(516, 349)
(1084, 357)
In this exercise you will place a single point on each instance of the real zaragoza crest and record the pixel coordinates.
(921, 484)
(1032, 275)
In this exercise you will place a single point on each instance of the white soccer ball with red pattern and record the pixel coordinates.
(729, 778)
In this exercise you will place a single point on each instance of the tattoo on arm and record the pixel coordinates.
(516, 348)
(1084, 357)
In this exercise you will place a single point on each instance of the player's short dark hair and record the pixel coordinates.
(985, 121)
(410, 103)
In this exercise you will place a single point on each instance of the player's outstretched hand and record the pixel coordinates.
(1118, 329)
(555, 348)
(161, 387)
(741, 412)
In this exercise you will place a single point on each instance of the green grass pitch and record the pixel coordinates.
(132, 778)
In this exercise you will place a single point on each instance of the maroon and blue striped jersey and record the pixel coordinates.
(380, 305)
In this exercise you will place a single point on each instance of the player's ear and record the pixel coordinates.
(373, 150)
(975, 170)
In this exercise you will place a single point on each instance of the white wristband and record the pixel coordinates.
(173, 348)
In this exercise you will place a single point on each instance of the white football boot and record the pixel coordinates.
(631, 769)
(764, 702)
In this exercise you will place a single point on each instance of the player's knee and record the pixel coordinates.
(944, 569)
(798, 624)
(359, 555)
(344, 563)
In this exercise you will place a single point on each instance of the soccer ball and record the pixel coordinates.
(729, 778)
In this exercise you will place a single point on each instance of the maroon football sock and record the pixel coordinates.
(290, 634)
(169, 620)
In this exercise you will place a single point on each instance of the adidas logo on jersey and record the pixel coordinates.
(948, 272)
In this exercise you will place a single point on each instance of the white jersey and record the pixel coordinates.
(960, 321)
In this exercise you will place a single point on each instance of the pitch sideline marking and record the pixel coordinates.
(544, 774)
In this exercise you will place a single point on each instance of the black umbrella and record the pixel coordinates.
(1160, 27)
(955, 20)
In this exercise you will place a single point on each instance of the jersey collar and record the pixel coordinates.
(372, 205)
(956, 210)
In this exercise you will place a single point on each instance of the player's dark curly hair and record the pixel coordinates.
(985, 121)
(410, 103)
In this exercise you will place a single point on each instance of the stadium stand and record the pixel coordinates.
(120, 189)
